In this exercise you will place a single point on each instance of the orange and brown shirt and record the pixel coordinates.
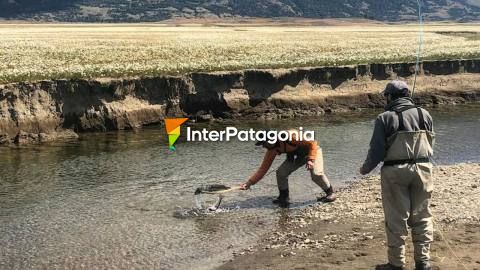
(280, 148)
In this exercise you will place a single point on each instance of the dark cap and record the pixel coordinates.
(261, 142)
(258, 143)
(397, 88)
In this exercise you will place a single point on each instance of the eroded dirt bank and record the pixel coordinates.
(51, 110)
(349, 233)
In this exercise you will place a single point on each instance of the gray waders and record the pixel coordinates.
(407, 185)
(292, 164)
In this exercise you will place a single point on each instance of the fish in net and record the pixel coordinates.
(210, 196)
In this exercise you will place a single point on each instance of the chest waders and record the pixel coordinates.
(409, 146)
(298, 156)
(296, 159)
(406, 190)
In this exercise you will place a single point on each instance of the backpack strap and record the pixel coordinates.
(421, 119)
(277, 147)
(401, 126)
(290, 143)
(281, 147)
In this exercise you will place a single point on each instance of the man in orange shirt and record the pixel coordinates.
(299, 153)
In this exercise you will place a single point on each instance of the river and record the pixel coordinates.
(120, 200)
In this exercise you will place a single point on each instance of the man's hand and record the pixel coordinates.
(309, 165)
(245, 186)
(362, 171)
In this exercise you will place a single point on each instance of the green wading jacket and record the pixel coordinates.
(387, 124)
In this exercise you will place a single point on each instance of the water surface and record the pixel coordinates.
(119, 200)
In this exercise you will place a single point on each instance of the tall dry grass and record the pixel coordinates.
(32, 52)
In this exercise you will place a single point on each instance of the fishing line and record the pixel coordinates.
(420, 45)
(447, 243)
(444, 238)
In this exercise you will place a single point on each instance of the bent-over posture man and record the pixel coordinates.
(299, 153)
(403, 139)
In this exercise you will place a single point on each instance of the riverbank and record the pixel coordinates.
(349, 233)
(56, 110)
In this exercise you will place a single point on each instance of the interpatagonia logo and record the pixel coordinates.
(173, 125)
(173, 130)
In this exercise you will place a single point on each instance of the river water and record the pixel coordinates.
(120, 201)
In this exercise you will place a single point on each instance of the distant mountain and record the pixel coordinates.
(157, 10)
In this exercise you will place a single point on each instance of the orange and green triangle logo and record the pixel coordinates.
(173, 130)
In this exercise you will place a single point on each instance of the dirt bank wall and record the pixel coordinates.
(51, 110)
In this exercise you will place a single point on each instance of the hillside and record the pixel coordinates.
(158, 10)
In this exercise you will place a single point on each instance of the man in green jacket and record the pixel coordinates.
(403, 139)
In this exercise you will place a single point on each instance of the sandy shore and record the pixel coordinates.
(349, 233)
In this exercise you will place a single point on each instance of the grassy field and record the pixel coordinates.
(32, 52)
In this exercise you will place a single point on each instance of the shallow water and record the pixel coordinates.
(120, 201)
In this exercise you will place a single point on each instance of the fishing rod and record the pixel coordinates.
(417, 69)
(420, 45)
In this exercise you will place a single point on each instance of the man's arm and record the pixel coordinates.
(429, 120)
(376, 153)
(266, 164)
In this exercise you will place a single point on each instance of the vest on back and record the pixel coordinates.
(409, 146)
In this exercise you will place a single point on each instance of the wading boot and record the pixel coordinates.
(423, 266)
(329, 197)
(283, 200)
(388, 266)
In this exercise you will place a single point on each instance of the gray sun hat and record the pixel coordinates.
(397, 88)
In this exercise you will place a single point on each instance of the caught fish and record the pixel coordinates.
(212, 190)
